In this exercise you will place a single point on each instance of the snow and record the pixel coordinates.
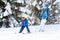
(40, 2)
(56, 1)
(0, 12)
(38, 7)
(20, 1)
(24, 9)
(56, 11)
(13, 22)
(8, 9)
(5, 1)
(34, 3)
(39, 36)
(52, 32)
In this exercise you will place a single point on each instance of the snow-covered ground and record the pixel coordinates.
(52, 32)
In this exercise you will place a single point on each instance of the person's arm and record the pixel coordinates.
(26, 23)
(48, 14)
(42, 12)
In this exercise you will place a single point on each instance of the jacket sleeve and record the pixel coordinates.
(42, 12)
(26, 24)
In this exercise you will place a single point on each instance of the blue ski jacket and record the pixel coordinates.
(45, 13)
(24, 23)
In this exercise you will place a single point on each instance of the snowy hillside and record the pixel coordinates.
(32, 36)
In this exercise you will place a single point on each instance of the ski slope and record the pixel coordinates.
(52, 32)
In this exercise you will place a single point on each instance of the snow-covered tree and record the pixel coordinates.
(14, 9)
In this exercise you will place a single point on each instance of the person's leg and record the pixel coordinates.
(43, 21)
(28, 29)
(21, 29)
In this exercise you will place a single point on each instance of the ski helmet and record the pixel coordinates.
(24, 16)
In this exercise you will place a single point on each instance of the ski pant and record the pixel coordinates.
(42, 25)
(22, 28)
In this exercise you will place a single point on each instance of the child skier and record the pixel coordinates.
(45, 15)
(24, 24)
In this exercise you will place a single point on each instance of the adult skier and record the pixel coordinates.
(45, 16)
